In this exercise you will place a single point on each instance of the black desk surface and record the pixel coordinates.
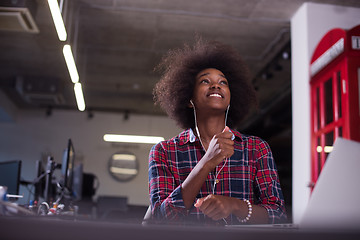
(53, 228)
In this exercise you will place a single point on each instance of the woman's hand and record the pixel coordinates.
(215, 206)
(220, 147)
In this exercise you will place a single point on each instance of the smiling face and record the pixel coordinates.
(211, 90)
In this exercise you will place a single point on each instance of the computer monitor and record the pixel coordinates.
(67, 167)
(40, 181)
(10, 176)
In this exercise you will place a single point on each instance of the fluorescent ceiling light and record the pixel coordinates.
(57, 18)
(132, 139)
(79, 96)
(69, 59)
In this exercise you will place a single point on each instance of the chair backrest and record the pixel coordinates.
(109, 206)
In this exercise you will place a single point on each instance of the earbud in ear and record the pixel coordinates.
(192, 104)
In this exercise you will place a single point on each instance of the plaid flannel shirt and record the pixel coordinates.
(250, 173)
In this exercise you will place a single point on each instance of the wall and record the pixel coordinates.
(7, 108)
(33, 136)
(308, 25)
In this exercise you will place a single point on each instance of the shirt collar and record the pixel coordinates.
(189, 136)
(237, 135)
(192, 136)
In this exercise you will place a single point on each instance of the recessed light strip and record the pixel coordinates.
(132, 139)
(79, 96)
(70, 63)
(69, 57)
(57, 18)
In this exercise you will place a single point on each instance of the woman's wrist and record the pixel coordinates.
(243, 210)
(249, 212)
(206, 164)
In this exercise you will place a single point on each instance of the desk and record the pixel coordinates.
(52, 228)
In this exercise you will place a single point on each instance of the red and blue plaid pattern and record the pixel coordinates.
(249, 174)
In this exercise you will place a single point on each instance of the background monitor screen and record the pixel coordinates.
(10, 176)
(77, 182)
(67, 167)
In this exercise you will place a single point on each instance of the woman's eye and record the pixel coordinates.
(205, 81)
(224, 82)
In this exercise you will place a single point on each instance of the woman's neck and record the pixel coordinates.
(208, 127)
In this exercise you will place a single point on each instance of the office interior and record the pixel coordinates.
(34, 132)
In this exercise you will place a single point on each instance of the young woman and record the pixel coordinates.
(210, 173)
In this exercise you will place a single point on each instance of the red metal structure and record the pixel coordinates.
(335, 87)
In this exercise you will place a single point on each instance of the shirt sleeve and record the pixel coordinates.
(165, 192)
(267, 184)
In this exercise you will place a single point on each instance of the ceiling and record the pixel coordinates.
(117, 44)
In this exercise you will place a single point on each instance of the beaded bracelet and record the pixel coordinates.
(247, 218)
